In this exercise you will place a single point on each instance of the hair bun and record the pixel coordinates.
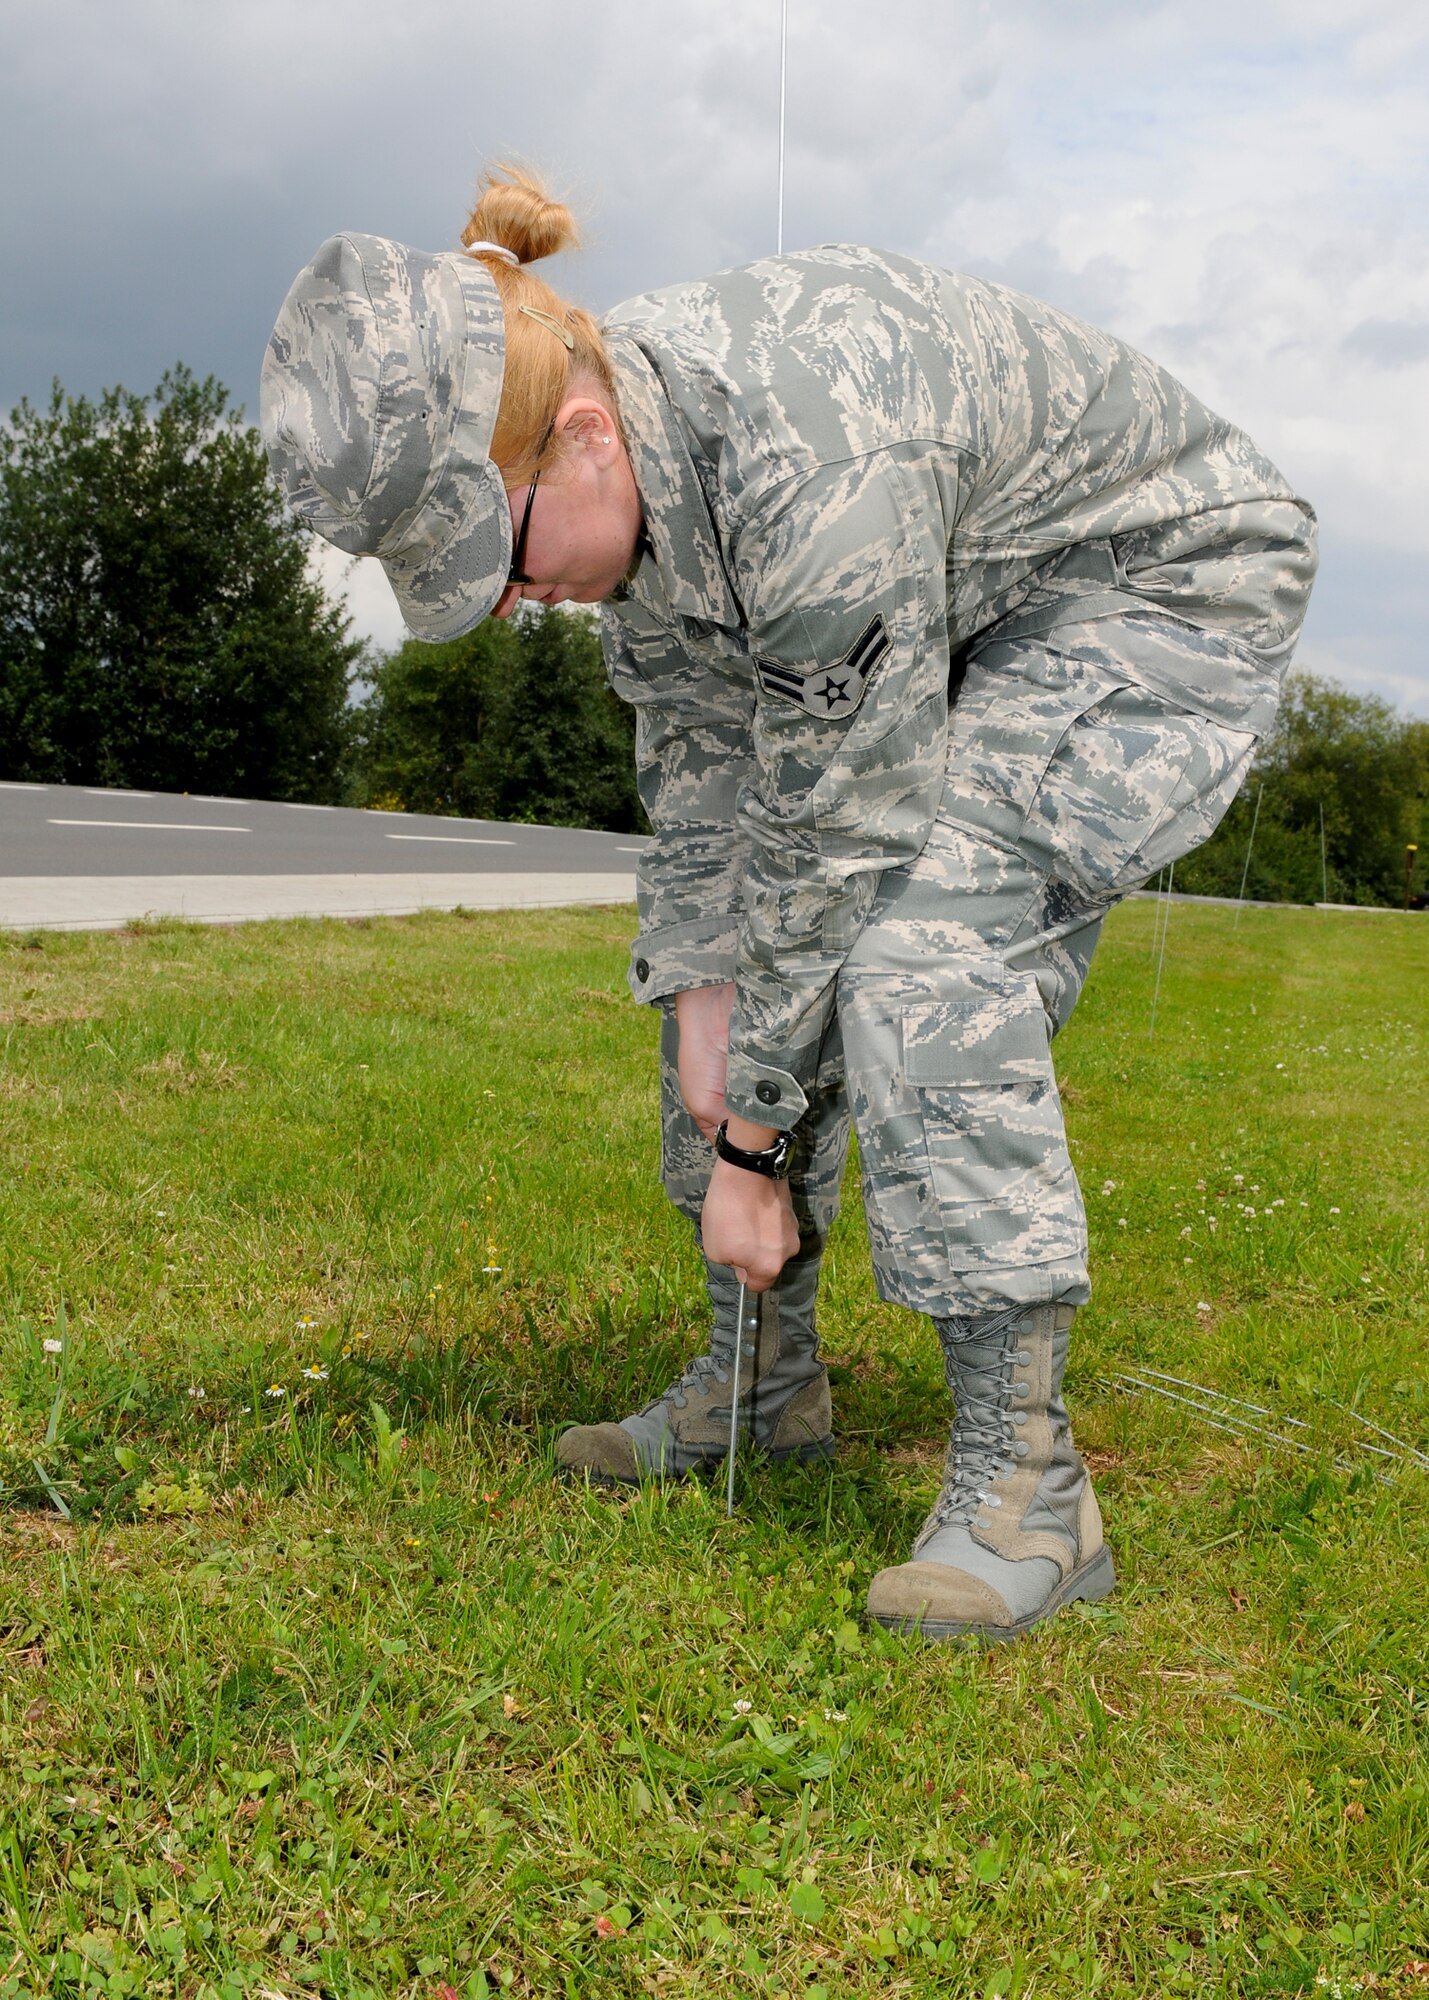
(514, 209)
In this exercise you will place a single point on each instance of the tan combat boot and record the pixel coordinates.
(783, 1391)
(1016, 1532)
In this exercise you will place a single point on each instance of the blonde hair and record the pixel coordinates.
(514, 210)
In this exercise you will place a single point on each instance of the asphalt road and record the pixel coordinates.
(69, 830)
(75, 857)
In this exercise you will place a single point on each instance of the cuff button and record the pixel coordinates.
(642, 969)
(767, 1093)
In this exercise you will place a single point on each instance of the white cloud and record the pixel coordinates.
(1242, 193)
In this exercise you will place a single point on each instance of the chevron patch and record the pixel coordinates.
(829, 691)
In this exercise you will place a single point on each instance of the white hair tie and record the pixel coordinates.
(494, 249)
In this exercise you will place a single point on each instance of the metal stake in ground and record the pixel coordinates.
(734, 1405)
(1156, 994)
(1245, 872)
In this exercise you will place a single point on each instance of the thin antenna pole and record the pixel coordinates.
(1156, 994)
(783, 72)
(1156, 919)
(1324, 872)
(1245, 872)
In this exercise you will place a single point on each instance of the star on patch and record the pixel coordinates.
(829, 691)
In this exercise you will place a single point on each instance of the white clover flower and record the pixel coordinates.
(198, 1395)
(1334, 1211)
(1121, 1222)
(1203, 1306)
(1187, 1230)
(834, 1715)
(742, 1707)
(54, 1347)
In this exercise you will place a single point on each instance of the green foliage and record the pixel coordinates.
(159, 627)
(515, 721)
(1367, 766)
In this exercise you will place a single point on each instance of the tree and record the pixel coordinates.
(159, 627)
(514, 721)
(1350, 756)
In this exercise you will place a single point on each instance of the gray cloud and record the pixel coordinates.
(1388, 343)
(1247, 203)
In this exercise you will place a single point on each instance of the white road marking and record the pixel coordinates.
(302, 806)
(113, 792)
(153, 825)
(632, 850)
(17, 785)
(454, 839)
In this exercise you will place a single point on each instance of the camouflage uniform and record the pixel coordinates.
(956, 619)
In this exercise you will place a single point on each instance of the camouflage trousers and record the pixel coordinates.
(1081, 762)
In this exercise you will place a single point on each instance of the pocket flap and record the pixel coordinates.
(956, 1043)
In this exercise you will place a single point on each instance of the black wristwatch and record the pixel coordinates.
(773, 1161)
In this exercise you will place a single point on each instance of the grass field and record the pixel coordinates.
(313, 1681)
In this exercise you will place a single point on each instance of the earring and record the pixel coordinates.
(605, 440)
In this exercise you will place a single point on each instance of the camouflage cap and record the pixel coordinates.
(379, 396)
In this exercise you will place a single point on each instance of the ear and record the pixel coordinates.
(587, 426)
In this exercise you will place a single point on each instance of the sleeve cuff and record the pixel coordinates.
(682, 956)
(762, 1094)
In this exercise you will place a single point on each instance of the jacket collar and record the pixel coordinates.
(683, 544)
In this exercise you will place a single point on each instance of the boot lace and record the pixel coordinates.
(983, 1441)
(695, 1379)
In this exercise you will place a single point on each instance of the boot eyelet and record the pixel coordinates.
(1024, 1359)
(1022, 1448)
(1019, 1417)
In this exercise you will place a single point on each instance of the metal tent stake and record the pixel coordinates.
(734, 1406)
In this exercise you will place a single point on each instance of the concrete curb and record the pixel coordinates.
(106, 902)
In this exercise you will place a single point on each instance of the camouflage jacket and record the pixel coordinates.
(851, 465)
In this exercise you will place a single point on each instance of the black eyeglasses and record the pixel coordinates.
(516, 573)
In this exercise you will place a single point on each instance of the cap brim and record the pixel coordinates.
(455, 588)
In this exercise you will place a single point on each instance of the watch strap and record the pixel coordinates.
(773, 1161)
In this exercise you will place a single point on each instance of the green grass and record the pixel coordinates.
(325, 1686)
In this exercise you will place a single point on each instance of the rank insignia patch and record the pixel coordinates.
(829, 691)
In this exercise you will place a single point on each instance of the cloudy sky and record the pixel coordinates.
(1238, 188)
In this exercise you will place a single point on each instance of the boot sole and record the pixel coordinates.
(704, 1468)
(1094, 1579)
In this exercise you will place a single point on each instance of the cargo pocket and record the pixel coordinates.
(981, 1074)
